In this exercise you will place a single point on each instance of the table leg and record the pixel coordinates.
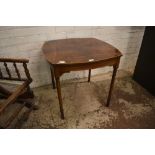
(112, 84)
(59, 96)
(53, 77)
(89, 75)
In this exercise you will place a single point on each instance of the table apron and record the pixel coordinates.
(60, 69)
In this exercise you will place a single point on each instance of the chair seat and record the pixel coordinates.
(9, 114)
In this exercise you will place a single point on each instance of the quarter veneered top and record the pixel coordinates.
(78, 50)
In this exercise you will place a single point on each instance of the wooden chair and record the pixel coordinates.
(21, 94)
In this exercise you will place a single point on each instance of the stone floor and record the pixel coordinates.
(84, 105)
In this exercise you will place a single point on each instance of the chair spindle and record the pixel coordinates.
(27, 71)
(7, 69)
(17, 71)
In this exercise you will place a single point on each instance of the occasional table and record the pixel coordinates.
(76, 54)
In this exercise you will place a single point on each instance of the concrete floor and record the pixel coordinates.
(84, 105)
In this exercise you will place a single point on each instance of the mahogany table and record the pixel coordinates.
(75, 54)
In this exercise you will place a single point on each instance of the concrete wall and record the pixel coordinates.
(26, 42)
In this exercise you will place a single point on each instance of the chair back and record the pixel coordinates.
(9, 71)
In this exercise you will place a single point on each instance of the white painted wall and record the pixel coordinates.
(26, 42)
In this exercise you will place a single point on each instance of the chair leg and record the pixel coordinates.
(30, 92)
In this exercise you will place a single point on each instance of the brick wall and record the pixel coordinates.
(26, 42)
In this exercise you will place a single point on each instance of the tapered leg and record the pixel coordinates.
(89, 75)
(60, 97)
(112, 84)
(53, 77)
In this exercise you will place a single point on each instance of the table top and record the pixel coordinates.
(78, 50)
